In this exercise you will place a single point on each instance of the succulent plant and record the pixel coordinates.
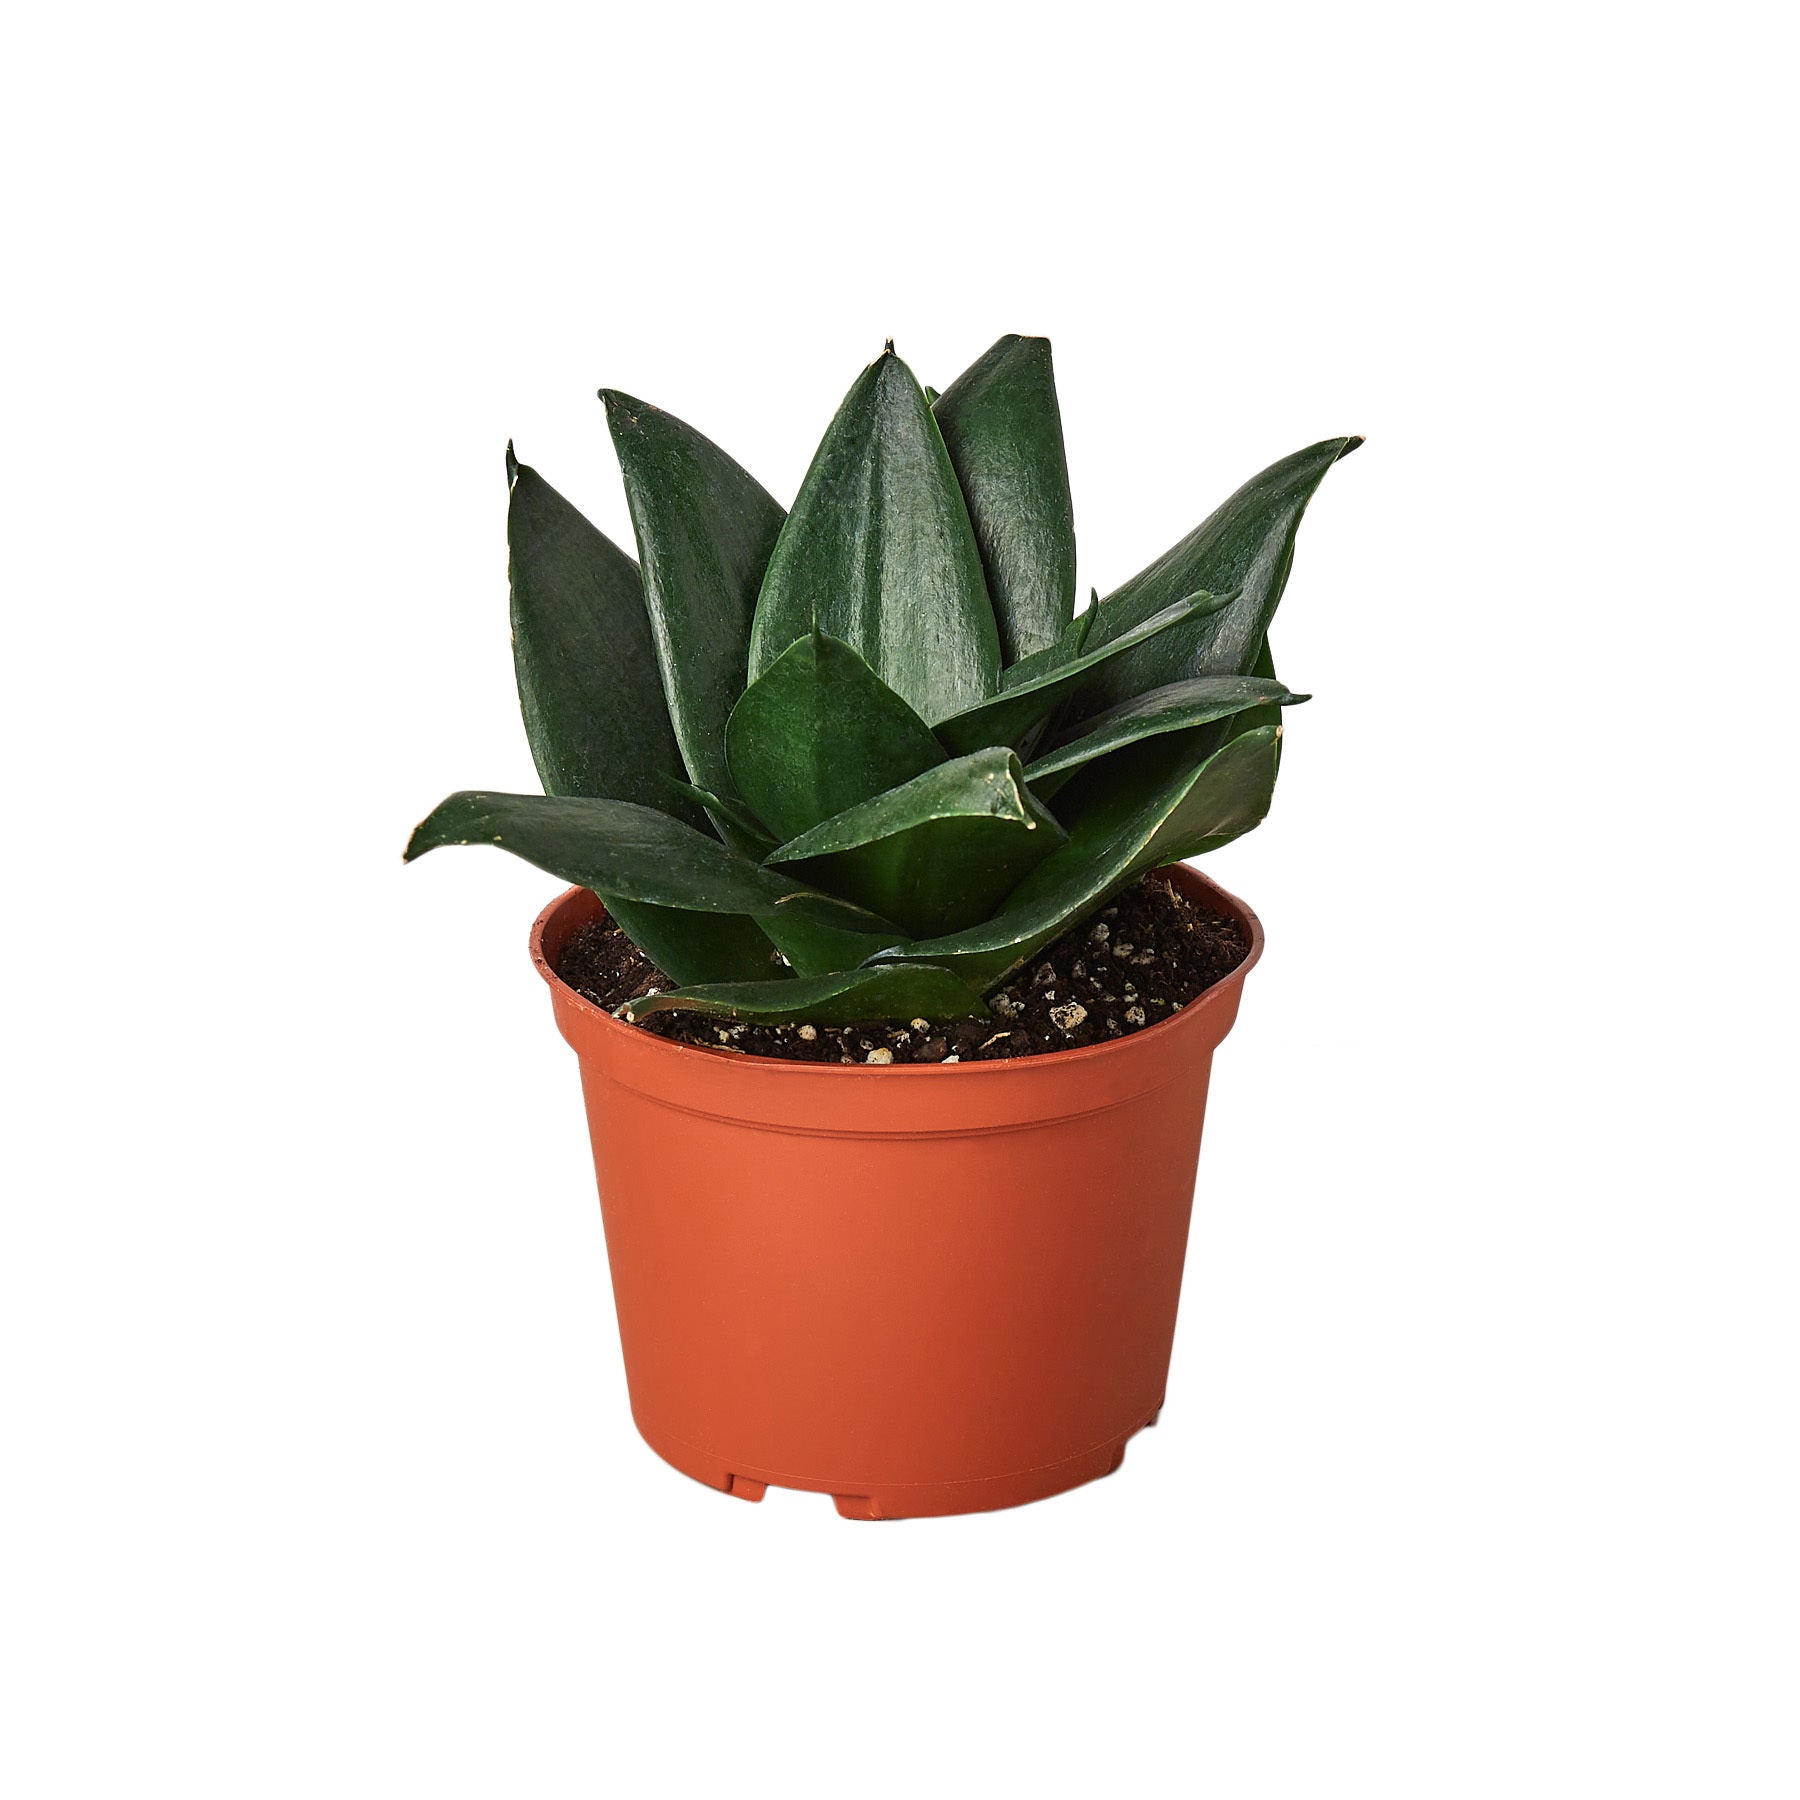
(862, 759)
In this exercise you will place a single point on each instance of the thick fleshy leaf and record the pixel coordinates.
(593, 705)
(704, 530)
(586, 665)
(1069, 645)
(815, 949)
(817, 696)
(879, 552)
(732, 820)
(1245, 548)
(1011, 713)
(909, 991)
(1177, 707)
(1224, 730)
(1157, 804)
(697, 946)
(1262, 668)
(818, 731)
(1003, 429)
(937, 852)
(636, 852)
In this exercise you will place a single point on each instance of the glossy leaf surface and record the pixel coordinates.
(592, 700)
(819, 731)
(704, 530)
(1177, 707)
(1263, 669)
(1244, 548)
(1009, 714)
(1158, 805)
(1003, 429)
(1069, 645)
(582, 651)
(614, 847)
(857, 995)
(816, 949)
(936, 853)
(697, 946)
(879, 552)
(732, 820)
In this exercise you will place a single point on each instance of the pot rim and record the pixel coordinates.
(668, 1047)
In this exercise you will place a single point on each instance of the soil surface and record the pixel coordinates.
(1138, 961)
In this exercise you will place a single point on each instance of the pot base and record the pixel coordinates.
(909, 1500)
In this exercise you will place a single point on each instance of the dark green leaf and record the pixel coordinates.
(1177, 707)
(1156, 805)
(582, 651)
(1263, 668)
(879, 552)
(594, 710)
(1003, 429)
(1224, 730)
(816, 949)
(697, 946)
(1245, 548)
(819, 731)
(1068, 646)
(704, 531)
(937, 852)
(851, 998)
(783, 728)
(633, 851)
(1009, 714)
(733, 821)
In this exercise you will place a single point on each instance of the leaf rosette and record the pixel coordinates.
(862, 758)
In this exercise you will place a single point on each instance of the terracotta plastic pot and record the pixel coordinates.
(920, 1290)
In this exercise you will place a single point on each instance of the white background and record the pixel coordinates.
(1478, 1471)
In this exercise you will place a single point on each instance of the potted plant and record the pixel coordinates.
(895, 1118)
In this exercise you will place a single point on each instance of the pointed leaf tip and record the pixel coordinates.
(633, 852)
(512, 466)
(1178, 706)
(571, 589)
(888, 348)
(1003, 430)
(704, 528)
(1247, 544)
(1020, 704)
(623, 407)
(879, 541)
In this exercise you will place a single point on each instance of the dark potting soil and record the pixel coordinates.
(1141, 959)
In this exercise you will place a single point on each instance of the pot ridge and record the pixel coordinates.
(904, 1100)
